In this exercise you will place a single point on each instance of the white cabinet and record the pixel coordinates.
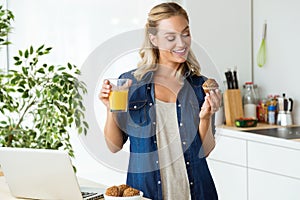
(230, 180)
(263, 185)
(230, 150)
(246, 167)
(273, 172)
(227, 164)
(274, 159)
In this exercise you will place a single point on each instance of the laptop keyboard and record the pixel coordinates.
(91, 196)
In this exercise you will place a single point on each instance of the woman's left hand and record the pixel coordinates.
(211, 104)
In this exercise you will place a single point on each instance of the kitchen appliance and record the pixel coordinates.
(285, 108)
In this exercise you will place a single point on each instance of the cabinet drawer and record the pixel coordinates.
(264, 186)
(230, 150)
(230, 180)
(275, 159)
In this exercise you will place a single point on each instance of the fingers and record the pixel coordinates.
(215, 100)
(212, 101)
(105, 90)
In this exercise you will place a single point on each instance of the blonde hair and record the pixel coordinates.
(150, 54)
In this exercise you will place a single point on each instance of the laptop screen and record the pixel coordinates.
(39, 173)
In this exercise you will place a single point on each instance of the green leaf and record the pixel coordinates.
(70, 66)
(16, 58)
(55, 79)
(20, 90)
(86, 124)
(18, 63)
(41, 71)
(38, 93)
(26, 53)
(31, 50)
(48, 49)
(61, 69)
(25, 71)
(20, 53)
(40, 48)
(14, 80)
(51, 68)
(25, 94)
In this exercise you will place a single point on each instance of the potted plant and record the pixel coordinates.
(39, 103)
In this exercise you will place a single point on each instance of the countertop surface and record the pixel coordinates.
(250, 135)
(5, 193)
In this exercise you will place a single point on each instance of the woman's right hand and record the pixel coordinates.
(104, 93)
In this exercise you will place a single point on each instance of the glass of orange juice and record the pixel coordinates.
(118, 97)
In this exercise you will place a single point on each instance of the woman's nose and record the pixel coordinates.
(180, 42)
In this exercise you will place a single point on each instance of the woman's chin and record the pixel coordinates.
(180, 59)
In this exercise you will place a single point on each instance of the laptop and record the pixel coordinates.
(43, 174)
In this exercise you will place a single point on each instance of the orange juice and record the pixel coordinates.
(118, 100)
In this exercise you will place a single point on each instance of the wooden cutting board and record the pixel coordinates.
(233, 106)
(298, 140)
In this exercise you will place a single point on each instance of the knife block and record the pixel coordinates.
(233, 106)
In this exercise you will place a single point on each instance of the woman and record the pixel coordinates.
(169, 118)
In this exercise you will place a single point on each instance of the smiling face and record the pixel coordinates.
(173, 40)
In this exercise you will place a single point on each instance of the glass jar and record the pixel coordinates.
(249, 101)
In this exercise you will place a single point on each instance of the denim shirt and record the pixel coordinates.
(139, 125)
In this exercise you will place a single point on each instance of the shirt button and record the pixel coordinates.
(155, 142)
(154, 123)
(181, 124)
(148, 88)
(179, 105)
(150, 104)
(156, 162)
(187, 162)
(191, 183)
(184, 143)
(134, 107)
(158, 182)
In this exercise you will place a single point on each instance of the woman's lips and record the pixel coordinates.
(180, 52)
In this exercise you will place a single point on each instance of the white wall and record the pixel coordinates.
(281, 72)
(223, 28)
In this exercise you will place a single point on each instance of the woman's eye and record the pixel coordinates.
(186, 35)
(171, 38)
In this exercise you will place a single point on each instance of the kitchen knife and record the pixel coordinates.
(229, 79)
(236, 84)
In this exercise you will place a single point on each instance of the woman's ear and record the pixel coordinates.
(153, 40)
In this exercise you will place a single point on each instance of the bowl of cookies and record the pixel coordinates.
(122, 192)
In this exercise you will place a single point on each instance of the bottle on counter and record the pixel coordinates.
(249, 101)
(262, 111)
(271, 114)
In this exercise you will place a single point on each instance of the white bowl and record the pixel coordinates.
(124, 198)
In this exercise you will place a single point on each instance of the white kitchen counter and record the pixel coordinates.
(235, 132)
(250, 166)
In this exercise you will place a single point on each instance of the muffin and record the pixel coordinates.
(129, 192)
(210, 84)
(122, 188)
(113, 191)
